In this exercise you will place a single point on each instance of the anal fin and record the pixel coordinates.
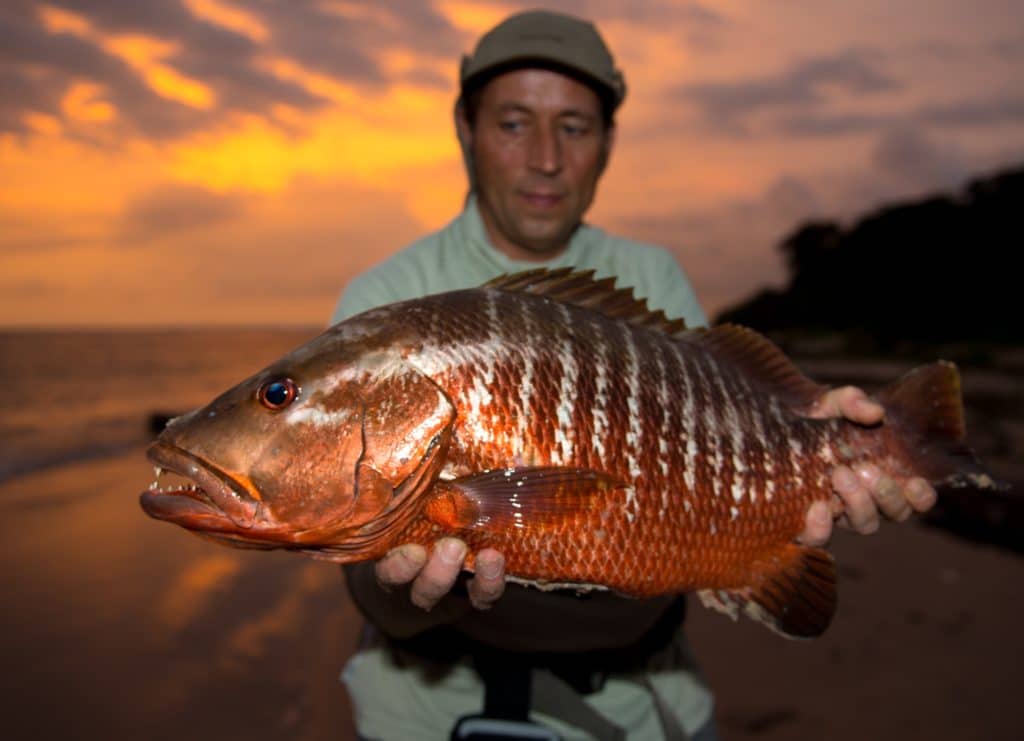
(793, 592)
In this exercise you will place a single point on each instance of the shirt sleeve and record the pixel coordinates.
(362, 293)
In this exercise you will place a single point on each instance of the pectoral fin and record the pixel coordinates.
(519, 498)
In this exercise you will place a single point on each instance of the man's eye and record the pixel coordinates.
(574, 129)
(511, 126)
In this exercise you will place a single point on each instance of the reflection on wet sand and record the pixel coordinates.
(117, 626)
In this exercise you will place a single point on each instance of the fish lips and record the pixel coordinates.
(219, 504)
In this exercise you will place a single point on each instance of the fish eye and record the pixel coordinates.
(278, 393)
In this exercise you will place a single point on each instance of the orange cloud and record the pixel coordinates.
(84, 102)
(144, 54)
(58, 20)
(230, 17)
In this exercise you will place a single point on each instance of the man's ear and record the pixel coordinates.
(464, 133)
(606, 149)
(463, 130)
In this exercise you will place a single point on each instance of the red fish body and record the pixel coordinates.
(595, 444)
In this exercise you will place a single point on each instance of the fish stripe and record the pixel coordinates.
(565, 432)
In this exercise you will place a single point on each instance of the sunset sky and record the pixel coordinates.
(225, 162)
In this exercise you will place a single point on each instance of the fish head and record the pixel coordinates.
(315, 450)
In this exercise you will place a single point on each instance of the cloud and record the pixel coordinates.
(1009, 48)
(697, 23)
(804, 86)
(169, 210)
(993, 110)
(729, 251)
(645, 13)
(1007, 108)
(915, 161)
(166, 71)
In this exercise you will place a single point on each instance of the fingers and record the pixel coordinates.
(401, 565)
(886, 492)
(921, 495)
(488, 584)
(849, 402)
(858, 505)
(818, 526)
(431, 576)
(439, 573)
(868, 493)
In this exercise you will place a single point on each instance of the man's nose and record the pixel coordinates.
(545, 153)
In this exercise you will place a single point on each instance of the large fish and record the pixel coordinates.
(548, 415)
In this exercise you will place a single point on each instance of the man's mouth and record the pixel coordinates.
(542, 200)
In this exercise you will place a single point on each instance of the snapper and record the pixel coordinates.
(551, 416)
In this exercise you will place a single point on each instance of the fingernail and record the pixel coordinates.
(489, 568)
(844, 478)
(406, 553)
(888, 488)
(870, 475)
(921, 494)
(869, 405)
(452, 551)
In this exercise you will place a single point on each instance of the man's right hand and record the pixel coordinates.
(431, 576)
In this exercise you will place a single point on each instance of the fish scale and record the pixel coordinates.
(553, 417)
(525, 553)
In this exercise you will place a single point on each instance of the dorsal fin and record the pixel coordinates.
(579, 288)
(759, 359)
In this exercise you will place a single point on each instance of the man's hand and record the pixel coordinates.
(431, 576)
(863, 492)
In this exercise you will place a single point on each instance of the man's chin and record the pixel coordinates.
(544, 237)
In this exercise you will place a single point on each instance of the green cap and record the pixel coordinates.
(540, 35)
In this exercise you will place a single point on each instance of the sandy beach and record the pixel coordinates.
(117, 626)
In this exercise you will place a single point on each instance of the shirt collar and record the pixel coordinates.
(474, 234)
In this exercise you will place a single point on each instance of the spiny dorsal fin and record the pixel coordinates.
(579, 288)
(761, 360)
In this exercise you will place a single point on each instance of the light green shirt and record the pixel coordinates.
(460, 256)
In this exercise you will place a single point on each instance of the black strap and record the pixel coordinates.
(512, 686)
(506, 681)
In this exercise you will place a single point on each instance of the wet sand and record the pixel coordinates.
(117, 626)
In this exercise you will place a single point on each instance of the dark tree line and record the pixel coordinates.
(940, 269)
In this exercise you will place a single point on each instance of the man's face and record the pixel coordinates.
(538, 148)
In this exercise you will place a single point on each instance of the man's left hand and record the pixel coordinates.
(863, 493)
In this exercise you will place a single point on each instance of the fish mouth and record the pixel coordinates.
(212, 501)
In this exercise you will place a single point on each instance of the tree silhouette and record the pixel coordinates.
(940, 269)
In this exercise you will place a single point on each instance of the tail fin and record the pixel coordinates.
(925, 409)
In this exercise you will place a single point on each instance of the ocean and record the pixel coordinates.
(76, 395)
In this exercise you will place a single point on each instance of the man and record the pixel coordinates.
(535, 119)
